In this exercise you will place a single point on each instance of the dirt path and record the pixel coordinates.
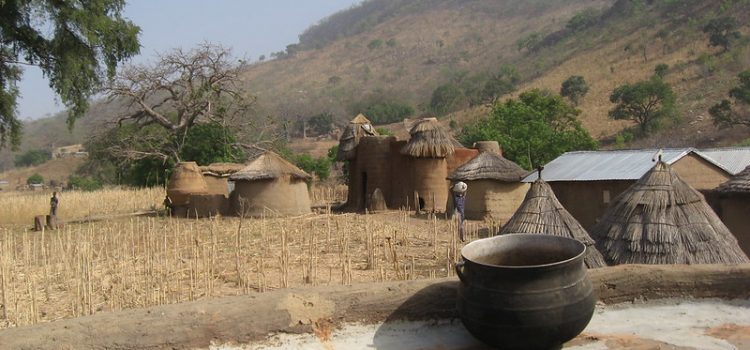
(320, 310)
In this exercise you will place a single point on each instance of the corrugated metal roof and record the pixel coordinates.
(632, 164)
(732, 159)
(605, 165)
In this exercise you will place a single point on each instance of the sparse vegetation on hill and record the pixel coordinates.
(406, 51)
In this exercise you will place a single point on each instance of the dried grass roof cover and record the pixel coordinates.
(541, 212)
(662, 220)
(221, 169)
(739, 183)
(358, 127)
(269, 165)
(489, 166)
(429, 140)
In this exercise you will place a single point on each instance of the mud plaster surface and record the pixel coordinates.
(664, 324)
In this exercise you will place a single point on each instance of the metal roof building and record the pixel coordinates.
(632, 164)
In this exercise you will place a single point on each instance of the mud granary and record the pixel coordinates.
(410, 173)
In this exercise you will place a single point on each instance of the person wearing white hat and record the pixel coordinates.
(459, 202)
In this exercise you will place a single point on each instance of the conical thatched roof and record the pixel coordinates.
(358, 127)
(489, 166)
(662, 220)
(221, 169)
(739, 184)
(429, 140)
(541, 212)
(269, 165)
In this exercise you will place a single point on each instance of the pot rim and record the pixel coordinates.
(521, 267)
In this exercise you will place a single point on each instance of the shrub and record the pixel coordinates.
(32, 158)
(35, 179)
(321, 167)
(374, 44)
(447, 98)
(387, 112)
(83, 183)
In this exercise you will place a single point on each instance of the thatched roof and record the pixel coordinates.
(269, 165)
(358, 127)
(541, 212)
(221, 169)
(429, 140)
(489, 166)
(739, 184)
(662, 220)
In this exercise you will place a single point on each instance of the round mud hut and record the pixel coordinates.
(185, 181)
(271, 186)
(217, 175)
(541, 212)
(734, 207)
(428, 146)
(662, 220)
(358, 128)
(495, 189)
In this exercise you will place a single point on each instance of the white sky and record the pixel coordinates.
(250, 27)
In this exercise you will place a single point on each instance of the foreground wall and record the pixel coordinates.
(251, 318)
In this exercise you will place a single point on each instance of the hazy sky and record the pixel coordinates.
(251, 27)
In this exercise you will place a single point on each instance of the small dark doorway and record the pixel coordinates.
(364, 191)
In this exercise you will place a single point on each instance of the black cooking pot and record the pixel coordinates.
(524, 291)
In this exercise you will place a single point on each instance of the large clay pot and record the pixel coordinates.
(524, 291)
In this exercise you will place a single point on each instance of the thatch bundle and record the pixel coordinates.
(267, 166)
(662, 220)
(739, 184)
(221, 169)
(429, 140)
(185, 180)
(489, 166)
(358, 127)
(542, 213)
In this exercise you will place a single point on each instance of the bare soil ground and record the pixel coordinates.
(320, 310)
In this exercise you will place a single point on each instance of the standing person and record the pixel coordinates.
(53, 203)
(459, 202)
(168, 206)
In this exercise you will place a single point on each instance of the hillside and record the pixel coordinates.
(401, 50)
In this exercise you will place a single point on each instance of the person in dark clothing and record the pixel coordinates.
(459, 202)
(168, 206)
(53, 203)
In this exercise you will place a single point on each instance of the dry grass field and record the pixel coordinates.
(123, 263)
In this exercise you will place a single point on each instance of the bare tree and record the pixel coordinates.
(181, 89)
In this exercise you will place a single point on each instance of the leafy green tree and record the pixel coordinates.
(499, 84)
(141, 156)
(321, 166)
(533, 129)
(182, 89)
(207, 143)
(447, 98)
(83, 183)
(583, 20)
(374, 44)
(32, 157)
(321, 123)
(384, 111)
(530, 42)
(647, 103)
(721, 32)
(728, 113)
(76, 44)
(35, 179)
(574, 88)
(661, 70)
(383, 131)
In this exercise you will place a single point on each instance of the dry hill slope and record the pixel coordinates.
(403, 49)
